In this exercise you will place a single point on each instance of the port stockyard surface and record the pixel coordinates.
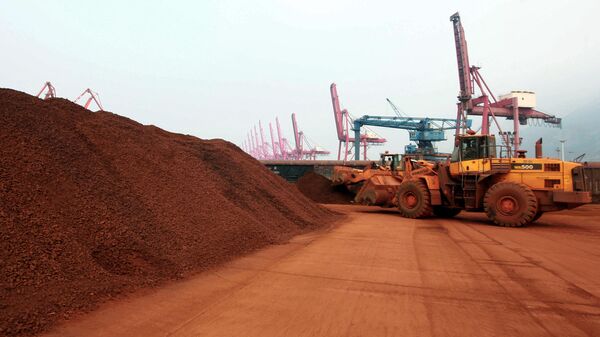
(374, 273)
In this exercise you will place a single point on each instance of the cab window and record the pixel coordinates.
(477, 148)
(470, 149)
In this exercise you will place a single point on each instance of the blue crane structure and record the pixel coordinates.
(422, 130)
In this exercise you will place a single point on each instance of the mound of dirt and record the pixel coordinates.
(319, 189)
(93, 205)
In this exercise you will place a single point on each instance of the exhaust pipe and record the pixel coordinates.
(538, 148)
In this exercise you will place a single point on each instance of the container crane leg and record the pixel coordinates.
(356, 141)
(459, 122)
(515, 106)
(485, 126)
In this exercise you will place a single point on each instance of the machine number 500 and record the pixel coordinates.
(526, 166)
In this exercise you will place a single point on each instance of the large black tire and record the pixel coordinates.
(445, 212)
(414, 200)
(510, 204)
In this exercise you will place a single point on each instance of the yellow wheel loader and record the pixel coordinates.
(511, 191)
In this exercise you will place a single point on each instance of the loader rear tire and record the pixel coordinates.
(445, 212)
(510, 204)
(414, 200)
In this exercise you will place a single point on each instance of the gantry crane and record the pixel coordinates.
(93, 97)
(395, 108)
(424, 131)
(285, 149)
(50, 91)
(310, 152)
(280, 149)
(342, 124)
(517, 106)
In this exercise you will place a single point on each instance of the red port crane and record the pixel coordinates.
(285, 149)
(279, 148)
(264, 147)
(259, 145)
(342, 125)
(253, 146)
(275, 155)
(311, 152)
(517, 106)
(298, 138)
(93, 97)
(50, 91)
(282, 142)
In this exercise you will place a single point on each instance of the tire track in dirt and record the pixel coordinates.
(535, 292)
(505, 292)
(427, 301)
(308, 240)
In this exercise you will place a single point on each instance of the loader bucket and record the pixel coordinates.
(344, 175)
(379, 190)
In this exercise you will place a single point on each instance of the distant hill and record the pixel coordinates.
(580, 129)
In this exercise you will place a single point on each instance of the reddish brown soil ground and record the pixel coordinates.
(93, 205)
(378, 274)
(319, 189)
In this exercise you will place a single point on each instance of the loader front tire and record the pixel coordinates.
(414, 200)
(510, 204)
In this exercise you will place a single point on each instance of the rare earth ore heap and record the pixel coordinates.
(93, 205)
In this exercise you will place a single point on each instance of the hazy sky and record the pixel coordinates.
(214, 68)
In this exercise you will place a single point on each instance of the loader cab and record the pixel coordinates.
(474, 147)
(390, 160)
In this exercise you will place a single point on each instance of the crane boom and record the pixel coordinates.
(422, 130)
(394, 107)
(273, 146)
(258, 144)
(337, 111)
(297, 135)
(462, 57)
(263, 145)
(281, 141)
(253, 143)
